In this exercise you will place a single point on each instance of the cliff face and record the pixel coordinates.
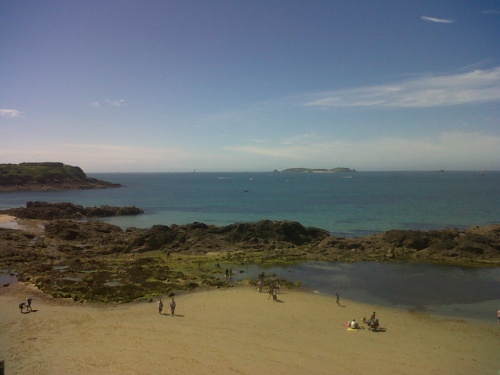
(47, 176)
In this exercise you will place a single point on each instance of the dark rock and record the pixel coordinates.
(66, 210)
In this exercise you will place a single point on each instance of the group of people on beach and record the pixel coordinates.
(274, 289)
(172, 306)
(372, 323)
(26, 305)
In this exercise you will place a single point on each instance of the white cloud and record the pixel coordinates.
(115, 103)
(9, 113)
(103, 157)
(455, 150)
(437, 20)
(490, 11)
(111, 103)
(478, 86)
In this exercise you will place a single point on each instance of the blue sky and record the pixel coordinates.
(165, 86)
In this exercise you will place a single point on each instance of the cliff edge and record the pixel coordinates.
(47, 176)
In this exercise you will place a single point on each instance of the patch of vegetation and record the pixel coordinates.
(52, 174)
(18, 174)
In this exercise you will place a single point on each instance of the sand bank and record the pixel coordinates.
(30, 225)
(237, 331)
(6, 218)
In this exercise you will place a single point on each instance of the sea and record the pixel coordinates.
(346, 204)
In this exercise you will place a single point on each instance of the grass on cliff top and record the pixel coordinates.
(38, 172)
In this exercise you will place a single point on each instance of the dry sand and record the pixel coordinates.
(12, 222)
(237, 331)
(6, 218)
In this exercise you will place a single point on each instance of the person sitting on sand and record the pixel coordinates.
(354, 324)
(369, 322)
(172, 306)
(22, 305)
(160, 306)
(374, 324)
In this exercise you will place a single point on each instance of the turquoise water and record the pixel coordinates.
(472, 293)
(364, 203)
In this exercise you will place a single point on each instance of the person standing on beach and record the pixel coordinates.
(172, 306)
(337, 301)
(28, 303)
(260, 286)
(275, 294)
(498, 316)
(271, 291)
(160, 306)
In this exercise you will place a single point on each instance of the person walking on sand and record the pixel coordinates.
(337, 301)
(260, 286)
(172, 306)
(498, 316)
(22, 305)
(271, 291)
(28, 303)
(275, 294)
(160, 306)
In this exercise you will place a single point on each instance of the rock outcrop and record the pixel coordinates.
(65, 210)
(47, 176)
(96, 261)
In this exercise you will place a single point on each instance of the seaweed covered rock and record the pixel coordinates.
(285, 231)
(65, 210)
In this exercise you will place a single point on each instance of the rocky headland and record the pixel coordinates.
(47, 176)
(88, 259)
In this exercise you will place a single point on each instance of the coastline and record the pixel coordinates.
(237, 330)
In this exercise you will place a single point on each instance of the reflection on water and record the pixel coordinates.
(455, 291)
(445, 290)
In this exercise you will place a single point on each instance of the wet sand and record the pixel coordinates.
(237, 331)
(30, 225)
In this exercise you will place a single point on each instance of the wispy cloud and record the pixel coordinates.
(478, 86)
(104, 157)
(436, 20)
(115, 103)
(9, 113)
(111, 103)
(449, 150)
(490, 11)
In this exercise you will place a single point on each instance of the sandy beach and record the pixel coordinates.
(236, 331)
(6, 219)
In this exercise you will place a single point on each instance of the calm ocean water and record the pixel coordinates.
(350, 205)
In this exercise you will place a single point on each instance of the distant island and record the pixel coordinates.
(319, 170)
(47, 176)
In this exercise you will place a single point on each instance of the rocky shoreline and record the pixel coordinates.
(85, 259)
